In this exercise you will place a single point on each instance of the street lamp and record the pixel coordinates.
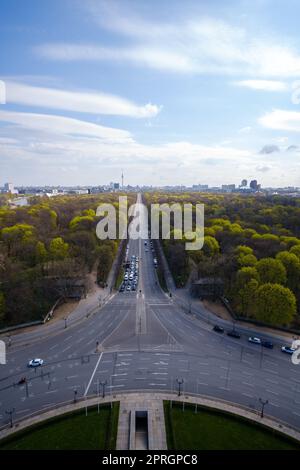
(179, 382)
(10, 413)
(75, 396)
(65, 320)
(103, 384)
(263, 404)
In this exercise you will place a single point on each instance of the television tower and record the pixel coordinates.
(122, 180)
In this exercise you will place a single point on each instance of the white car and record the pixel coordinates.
(288, 349)
(35, 363)
(253, 339)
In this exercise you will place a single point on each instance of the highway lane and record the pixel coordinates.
(111, 348)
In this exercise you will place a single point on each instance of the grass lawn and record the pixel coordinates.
(211, 430)
(72, 431)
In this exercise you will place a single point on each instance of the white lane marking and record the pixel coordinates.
(247, 395)
(157, 385)
(248, 384)
(68, 337)
(51, 391)
(271, 391)
(66, 349)
(54, 346)
(117, 375)
(93, 374)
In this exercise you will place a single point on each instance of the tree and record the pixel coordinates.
(295, 250)
(291, 263)
(271, 270)
(58, 249)
(274, 304)
(2, 307)
(105, 257)
(211, 246)
(41, 252)
(246, 296)
(245, 274)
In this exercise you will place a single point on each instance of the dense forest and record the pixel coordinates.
(47, 247)
(252, 243)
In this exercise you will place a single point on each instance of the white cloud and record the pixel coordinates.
(266, 85)
(52, 124)
(85, 102)
(196, 45)
(279, 119)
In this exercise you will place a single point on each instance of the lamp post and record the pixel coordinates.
(66, 320)
(179, 383)
(103, 384)
(10, 413)
(263, 404)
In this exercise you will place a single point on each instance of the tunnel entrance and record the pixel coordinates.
(141, 430)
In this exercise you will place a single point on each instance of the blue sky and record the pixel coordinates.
(171, 92)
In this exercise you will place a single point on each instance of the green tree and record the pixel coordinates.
(211, 246)
(41, 252)
(58, 249)
(274, 304)
(246, 297)
(291, 263)
(2, 307)
(105, 257)
(295, 250)
(271, 270)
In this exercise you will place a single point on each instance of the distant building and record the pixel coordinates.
(228, 187)
(244, 183)
(200, 187)
(254, 185)
(9, 188)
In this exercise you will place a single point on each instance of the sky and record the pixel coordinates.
(169, 92)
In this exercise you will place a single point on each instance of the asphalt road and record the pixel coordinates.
(145, 341)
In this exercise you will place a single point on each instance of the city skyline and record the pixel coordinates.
(175, 96)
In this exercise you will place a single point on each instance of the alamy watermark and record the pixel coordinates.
(2, 92)
(2, 352)
(188, 222)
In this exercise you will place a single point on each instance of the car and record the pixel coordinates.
(122, 288)
(133, 287)
(126, 277)
(233, 334)
(146, 250)
(267, 344)
(218, 329)
(287, 349)
(128, 287)
(254, 340)
(145, 243)
(35, 363)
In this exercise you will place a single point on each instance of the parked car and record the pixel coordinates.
(122, 288)
(35, 363)
(288, 349)
(218, 329)
(254, 340)
(267, 344)
(233, 334)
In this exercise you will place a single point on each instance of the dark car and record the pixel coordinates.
(267, 344)
(233, 334)
(218, 329)
(122, 288)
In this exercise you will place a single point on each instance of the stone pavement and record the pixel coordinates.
(126, 438)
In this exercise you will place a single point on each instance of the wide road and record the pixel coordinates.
(143, 340)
